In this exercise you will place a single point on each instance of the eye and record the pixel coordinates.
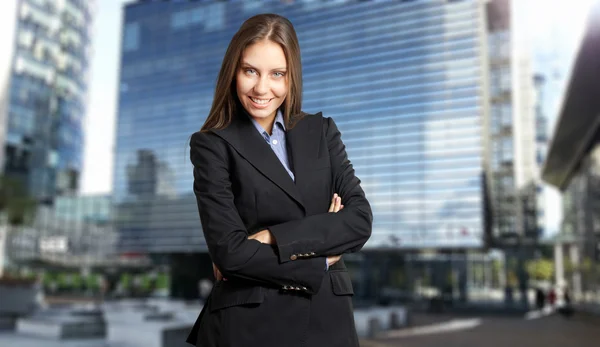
(279, 74)
(250, 71)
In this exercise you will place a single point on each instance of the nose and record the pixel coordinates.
(262, 86)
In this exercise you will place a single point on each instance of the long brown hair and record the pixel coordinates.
(267, 26)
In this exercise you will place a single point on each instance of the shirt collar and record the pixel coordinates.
(278, 120)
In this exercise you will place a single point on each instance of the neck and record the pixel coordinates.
(267, 123)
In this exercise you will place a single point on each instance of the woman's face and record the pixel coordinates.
(262, 81)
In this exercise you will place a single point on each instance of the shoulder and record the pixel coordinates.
(330, 129)
(203, 135)
(313, 119)
(328, 124)
(206, 139)
(207, 149)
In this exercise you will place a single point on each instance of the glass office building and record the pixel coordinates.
(43, 75)
(404, 81)
(76, 232)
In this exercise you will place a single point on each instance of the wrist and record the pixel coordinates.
(269, 237)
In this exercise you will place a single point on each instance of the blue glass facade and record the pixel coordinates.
(402, 80)
(47, 94)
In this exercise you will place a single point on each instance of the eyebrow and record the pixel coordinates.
(244, 64)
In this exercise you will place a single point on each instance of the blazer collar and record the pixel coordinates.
(302, 137)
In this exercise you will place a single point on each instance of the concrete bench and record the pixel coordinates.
(63, 323)
(149, 334)
(371, 321)
(61, 327)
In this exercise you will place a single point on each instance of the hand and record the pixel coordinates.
(263, 236)
(333, 259)
(336, 204)
(218, 275)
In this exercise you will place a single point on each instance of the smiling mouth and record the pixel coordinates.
(260, 101)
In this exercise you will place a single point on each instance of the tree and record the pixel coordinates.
(540, 269)
(16, 209)
(511, 279)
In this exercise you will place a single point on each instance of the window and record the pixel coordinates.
(507, 149)
(131, 37)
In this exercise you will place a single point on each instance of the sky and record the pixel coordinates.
(554, 27)
(102, 98)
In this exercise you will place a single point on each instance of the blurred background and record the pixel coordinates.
(474, 126)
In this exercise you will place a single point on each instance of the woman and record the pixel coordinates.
(264, 177)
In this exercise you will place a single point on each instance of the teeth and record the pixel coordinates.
(261, 101)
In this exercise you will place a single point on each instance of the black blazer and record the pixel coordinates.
(278, 295)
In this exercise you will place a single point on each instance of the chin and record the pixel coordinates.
(262, 113)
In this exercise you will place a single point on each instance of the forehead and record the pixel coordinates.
(264, 54)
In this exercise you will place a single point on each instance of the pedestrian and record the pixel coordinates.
(539, 298)
(278, 201)
(567, 309)
(552, 297)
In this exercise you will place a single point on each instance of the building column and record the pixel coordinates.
(3, 240)
(463, 277)
(502, 272)
(559, 266)
(576, 279)
(522, 276)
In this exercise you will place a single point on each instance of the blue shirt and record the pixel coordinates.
(277, 142)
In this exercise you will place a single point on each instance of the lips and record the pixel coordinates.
(260, 103)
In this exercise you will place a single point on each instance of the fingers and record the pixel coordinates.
(332, 205)
(218, 275)
(336, 204)
(263, 236)
(333, 259)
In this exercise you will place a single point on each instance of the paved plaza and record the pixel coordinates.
(554, 330)
(429, 330)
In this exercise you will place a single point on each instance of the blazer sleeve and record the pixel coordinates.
(225, 233)
(330, 233)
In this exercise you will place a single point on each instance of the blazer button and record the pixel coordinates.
(307, 255)
(294, 257)
(312, 253)
(297, 288)
(286, 287)
(304, 289)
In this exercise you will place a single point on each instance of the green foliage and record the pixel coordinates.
(162, 281)
(511, 279)
(76, 280)
(569, 267)
(92, 281)
(15, 201)
(48, 279)
(62, 280)
(478, 271)
(587, 265)
(126, 280)
(541, 269)
(145, 282)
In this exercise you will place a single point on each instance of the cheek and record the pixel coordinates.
(241, 85)
(281, 89)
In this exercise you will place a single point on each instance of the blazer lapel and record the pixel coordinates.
(243, 136)
(304, 140)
